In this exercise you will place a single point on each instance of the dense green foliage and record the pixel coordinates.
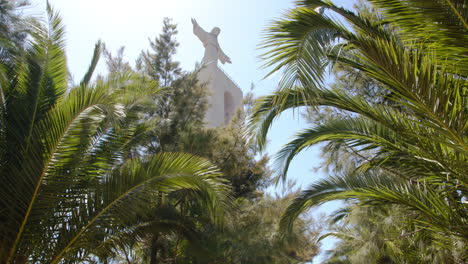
(396, 141)
(67, 179)
(252, 236)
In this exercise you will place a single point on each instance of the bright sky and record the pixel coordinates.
(130, 24)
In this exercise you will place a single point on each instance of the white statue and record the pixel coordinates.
(213, 51)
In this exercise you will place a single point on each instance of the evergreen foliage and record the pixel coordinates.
(158, 63)
(252, 236)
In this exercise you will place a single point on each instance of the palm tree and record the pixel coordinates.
(418, 144)
(69, 189)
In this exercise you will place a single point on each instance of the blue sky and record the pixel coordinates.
(130, 24)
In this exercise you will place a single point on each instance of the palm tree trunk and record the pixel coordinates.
(154, 250)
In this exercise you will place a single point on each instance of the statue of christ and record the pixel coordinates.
(213, 51)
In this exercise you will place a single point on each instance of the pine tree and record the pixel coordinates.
(116, 63)
(158, 63)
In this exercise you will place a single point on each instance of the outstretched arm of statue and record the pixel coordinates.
(223, 57)
(198, 31)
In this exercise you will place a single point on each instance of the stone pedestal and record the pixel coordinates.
(224, 95)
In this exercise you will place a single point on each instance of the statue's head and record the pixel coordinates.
(216, 31)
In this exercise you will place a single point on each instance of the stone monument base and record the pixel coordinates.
(224, 95)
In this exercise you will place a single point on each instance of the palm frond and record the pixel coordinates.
(375, 188)
(418, 139)
(132, 186)
(299, 44)
(441, 25)
(94, 61)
